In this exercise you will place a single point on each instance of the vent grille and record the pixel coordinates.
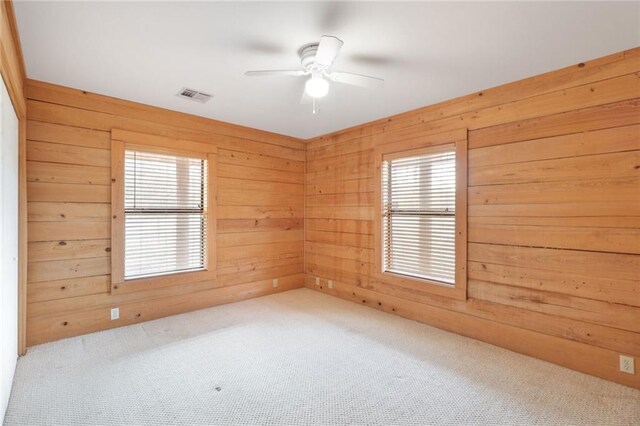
(194, 95)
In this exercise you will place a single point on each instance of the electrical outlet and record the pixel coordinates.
(115, 313)
(275, 282)
(627, 364)
(330, 283)
(317, 280)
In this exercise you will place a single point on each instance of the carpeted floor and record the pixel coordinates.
(296, 358)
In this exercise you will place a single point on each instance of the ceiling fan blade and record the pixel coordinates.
(328, 50)
(294, 73)
(356, 79)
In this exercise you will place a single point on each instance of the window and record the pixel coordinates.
(163, 227)
(418, 218)
(421, 221)
(165, 222)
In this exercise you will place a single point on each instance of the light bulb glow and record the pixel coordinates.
(316, 87)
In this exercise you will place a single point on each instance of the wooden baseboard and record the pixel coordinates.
(577, 356)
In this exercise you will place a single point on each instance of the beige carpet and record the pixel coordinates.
(301, 358)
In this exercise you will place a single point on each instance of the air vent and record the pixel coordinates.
(194, 95)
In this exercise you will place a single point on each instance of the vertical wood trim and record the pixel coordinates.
(462, 155)
(11, 62)
(19, 58)
(117, 214)
(212, 215)
(377, 205)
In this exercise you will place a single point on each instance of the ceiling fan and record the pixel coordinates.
(317, 59)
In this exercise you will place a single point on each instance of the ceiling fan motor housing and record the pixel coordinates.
(308, 56)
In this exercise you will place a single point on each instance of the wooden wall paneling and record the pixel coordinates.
(68, 135)
(617, 240)
(226, 226)
(73, 323)
(258, 210)
(611, 165)
(57, 231)
(57, 113)
(579, 213)
(83, 100)
(68, 268)
(236, 266)
(252, 173)
(614, 90)
(69, 212)
(68, 192)
(67, 288)
(612, 290)
(580, 120)
(340, 225)
(43, 251)
(565, 327)
(613, 265)
(260, 251)
(573, 191)
(341, 238)
(67, 173)
(67, 154)
(553, 216)
(340, 186)
(570, 353)
(581, 143)
(261, 161)
(240, 184)
(561, 305)
(251, 238)
(618, 64)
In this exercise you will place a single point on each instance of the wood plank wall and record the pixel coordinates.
(260, 212)
(554, 215)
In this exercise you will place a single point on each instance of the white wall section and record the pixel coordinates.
(8, 246)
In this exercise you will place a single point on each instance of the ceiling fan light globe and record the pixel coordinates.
(317, 87)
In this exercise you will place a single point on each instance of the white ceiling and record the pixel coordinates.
(427, 52)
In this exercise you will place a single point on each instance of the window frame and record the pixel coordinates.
(411, 147)
(122, 140)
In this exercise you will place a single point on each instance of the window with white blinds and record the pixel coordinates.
(418, 215)
(165, 216)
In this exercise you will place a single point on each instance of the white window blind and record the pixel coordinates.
(165, 217)
(418, 203)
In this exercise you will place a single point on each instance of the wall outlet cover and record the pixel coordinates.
(115, 313)
(317, 280)
(275, 282)
(627, 364)
(330, 283)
